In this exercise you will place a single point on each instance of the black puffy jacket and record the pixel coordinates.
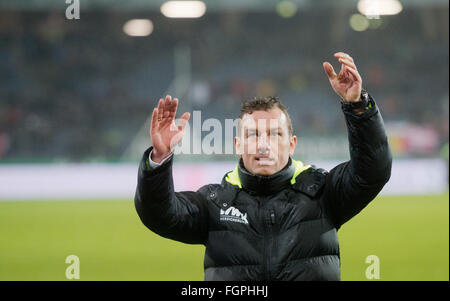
(279, 227)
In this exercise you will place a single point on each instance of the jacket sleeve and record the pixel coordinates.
(350, 186)
(181, 216)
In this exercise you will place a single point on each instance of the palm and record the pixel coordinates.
(165, 134)
(164, 139)
(346, 87)
(348, 83)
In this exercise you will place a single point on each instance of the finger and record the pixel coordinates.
(172, 105)
(343, 55)
(185, 118)
(348, 63)
(342, 73)
(163, 112)
(167, 102)
(166, 112)
(160, 109)
(329, 70)
(154, 122)
(172, 114)
(355, 74)
(173, 109)
(183, 121)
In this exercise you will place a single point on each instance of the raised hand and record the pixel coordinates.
(348, 83)
(165, 134)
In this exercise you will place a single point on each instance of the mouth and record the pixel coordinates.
(264, 161)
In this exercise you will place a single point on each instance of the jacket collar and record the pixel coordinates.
(241, 178)
(266, 185)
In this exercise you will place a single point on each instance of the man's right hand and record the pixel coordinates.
(165, 134)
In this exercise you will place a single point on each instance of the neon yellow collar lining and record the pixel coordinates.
(233, 176)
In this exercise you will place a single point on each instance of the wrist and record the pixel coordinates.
(357, 106)
(157, 157)
(355, 99)
(359, 111)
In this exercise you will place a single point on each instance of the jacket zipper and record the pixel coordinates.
(269, 222)
(272, 232)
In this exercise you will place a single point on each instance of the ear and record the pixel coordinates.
(292, 145)
(237, 146)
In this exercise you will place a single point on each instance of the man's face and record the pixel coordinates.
(264, 143)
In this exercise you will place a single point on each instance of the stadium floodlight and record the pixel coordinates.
(138, 27)
(359, 22)
(376, 8)
(183, 9)
(286, 9)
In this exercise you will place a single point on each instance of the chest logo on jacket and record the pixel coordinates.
(233, 215)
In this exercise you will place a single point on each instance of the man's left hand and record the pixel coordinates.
(348, 83)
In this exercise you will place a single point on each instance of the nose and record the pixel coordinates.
(263, 144)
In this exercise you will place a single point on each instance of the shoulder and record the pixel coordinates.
(310, 181)
(209, 189)
(221, 195)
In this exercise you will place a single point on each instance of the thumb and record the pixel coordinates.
(181, 127)
(329, 70)
(183, 121)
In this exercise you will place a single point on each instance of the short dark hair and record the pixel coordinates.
(265, 104)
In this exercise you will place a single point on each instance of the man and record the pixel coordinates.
(272, 218)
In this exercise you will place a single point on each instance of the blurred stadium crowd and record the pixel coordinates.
(80, 90)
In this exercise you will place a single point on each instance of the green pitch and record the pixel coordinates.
(409, 235)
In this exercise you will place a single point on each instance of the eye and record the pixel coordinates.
(275, 134)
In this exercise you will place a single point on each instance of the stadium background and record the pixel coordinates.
(75, 98)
